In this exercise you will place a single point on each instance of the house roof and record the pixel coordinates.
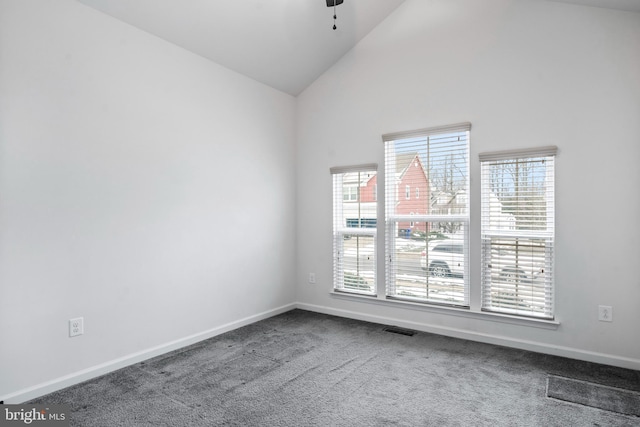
(404, 160)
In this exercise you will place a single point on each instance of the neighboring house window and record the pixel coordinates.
(518, 232)
(407, 192)
(375, 192)
(417, 192)
(440, 275)
(350, 193)
(354, 230)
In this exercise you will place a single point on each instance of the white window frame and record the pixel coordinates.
(535, 289)
(392, 218)
(340, 230)
(407, 192)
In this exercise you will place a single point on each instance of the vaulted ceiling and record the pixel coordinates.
(286, 44)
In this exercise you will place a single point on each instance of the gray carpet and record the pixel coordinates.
(308, 369)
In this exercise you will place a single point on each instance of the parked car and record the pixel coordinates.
(507, 266)
(446, 259)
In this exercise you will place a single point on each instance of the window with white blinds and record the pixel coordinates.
(518, 232)
(354, 228)
(427, 215)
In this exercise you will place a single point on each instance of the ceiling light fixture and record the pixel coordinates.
(334, 3)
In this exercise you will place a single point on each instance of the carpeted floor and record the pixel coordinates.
(308, 369)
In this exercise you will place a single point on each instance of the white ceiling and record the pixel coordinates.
(286, 44)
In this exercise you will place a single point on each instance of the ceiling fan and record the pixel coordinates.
(333, 4)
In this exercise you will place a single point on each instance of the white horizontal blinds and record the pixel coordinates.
(427, 215)
(354, 228)
(518, 232)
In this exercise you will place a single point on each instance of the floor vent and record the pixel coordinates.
(599, 396)
(400, 331)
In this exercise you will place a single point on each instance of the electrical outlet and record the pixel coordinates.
(312, 278)
(605, 313)
(76, 326)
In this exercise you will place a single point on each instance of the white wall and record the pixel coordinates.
(525, 74)
(141, 187)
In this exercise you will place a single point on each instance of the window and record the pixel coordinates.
(350, 193)
(427, 253)
(407, 192)
(518, 232)
(354, 229)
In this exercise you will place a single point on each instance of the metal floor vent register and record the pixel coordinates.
(599, 396)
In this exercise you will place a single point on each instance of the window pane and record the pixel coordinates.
(359, 201)
(354, 231)
(516, 275)
(517, 236)
(430, 264)
(357, 256)
(427, 235)
(518, 191)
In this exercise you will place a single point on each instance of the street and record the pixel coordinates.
(411, 280)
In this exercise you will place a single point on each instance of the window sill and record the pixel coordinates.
(450, 311)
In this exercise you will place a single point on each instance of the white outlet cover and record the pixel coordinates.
(605, 313)
(76, 326)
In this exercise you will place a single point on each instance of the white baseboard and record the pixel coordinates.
(555, 350)
(104, 368)
(110, 366)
